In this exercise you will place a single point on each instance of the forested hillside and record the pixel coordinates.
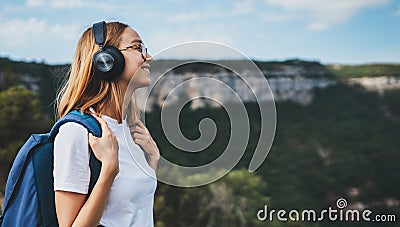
(344, 143)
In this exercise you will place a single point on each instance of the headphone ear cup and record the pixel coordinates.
(108, 63)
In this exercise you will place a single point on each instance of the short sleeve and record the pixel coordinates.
(71, 159)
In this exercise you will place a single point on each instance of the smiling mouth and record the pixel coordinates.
(146, 68)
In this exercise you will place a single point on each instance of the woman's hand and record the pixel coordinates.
(105, 148)
(142, 137)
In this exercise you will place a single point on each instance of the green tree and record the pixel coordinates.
(20, 116)
(231, 201)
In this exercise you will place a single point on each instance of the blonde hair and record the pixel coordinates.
(82, 90)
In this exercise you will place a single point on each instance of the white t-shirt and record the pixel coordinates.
(131, 198)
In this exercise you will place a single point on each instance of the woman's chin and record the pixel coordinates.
(148, 82)
(144, 83)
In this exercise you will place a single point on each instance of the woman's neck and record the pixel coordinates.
(111, 112)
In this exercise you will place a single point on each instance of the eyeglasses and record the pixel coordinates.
(140, 47)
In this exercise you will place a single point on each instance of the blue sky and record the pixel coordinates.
(340, 31)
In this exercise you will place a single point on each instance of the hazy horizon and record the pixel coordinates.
(333, 32)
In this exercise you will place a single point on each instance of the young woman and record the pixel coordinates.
(124, 192)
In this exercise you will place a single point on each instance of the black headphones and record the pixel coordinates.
(108, 62)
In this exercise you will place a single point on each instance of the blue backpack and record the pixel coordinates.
(29, 196)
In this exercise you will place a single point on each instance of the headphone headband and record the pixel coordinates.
(99, 29)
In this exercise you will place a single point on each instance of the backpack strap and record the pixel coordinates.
(93, 126)
(86, 120)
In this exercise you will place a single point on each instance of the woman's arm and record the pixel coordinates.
(72, 208)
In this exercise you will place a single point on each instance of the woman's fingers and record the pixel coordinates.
(106, 143)
(142, 137)
(103, 124)
(141, 125)
(139, 136)
(92, 139)
(137, 129)
(139, 141)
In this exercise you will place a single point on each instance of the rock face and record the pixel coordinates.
(211, 85)
(212, 89)
(379, 84)
(293, 80)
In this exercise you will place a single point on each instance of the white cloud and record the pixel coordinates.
(398, 11)
(33, 3)
(199, 16)
(66, 4)
(318, 26)
(57, 4)
(35, 38)
(74, 4)
(323, 14)
(186, 17)
(18, 32)
(21, 32)
(184, 34)
(65, 32)
(244, 6)
(204, 50)
(238, 8)
(278, 17)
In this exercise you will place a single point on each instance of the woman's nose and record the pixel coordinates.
(149, 58)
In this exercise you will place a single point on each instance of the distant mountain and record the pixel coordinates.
(288, 80)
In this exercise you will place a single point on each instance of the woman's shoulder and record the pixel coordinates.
(72, 130)
(71, 136)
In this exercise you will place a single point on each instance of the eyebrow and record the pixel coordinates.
(136, 40)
